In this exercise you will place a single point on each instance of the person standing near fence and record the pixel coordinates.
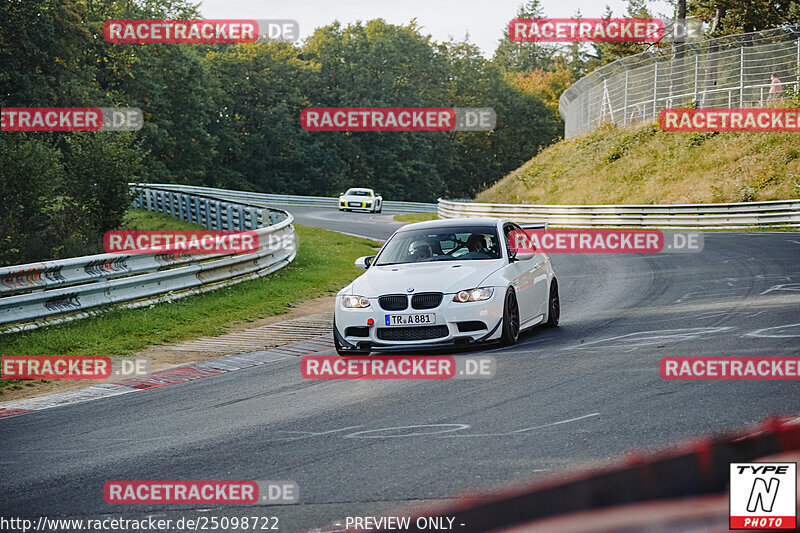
(775, 88)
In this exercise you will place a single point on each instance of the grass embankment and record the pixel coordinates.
(643, 165)
(416, 217)
(324, 264)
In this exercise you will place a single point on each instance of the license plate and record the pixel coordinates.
(355, 204)
(410, 320)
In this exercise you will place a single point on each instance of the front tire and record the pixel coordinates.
(510, 331)
(553, 305)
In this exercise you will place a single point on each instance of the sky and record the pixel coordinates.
(482, 20)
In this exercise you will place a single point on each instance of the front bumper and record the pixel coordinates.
(448, 313)
(367, 206)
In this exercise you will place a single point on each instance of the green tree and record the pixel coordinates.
(609, 52)
(41, 50)
(29, 177)
(512, 56)
(725, 17)
(94, 191)
(259, 95)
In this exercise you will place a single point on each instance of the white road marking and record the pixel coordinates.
(649, 338)
(358, 435)
(783, 287)
(761, 332)
(520, 431)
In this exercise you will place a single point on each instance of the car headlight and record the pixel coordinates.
(473, 295)
(355, 302)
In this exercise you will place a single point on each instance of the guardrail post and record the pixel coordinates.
(239, 218)
(217, 215)
(198, 218)
(228, 217)
(206, 210)
(182, 211)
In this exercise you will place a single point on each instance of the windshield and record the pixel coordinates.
(445, 244)
(358, 192)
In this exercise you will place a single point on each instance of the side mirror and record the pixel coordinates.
(341, 194)
(364, 262)
(524, 256)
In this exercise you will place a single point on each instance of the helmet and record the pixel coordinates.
(421, 250)
(476, 243)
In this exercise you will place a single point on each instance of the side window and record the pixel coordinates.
(507, 229)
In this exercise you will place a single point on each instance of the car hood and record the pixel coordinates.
(357, 198)
(448, 277)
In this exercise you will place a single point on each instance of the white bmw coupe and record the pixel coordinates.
(445, 282)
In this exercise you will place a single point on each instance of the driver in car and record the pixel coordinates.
(476, 243)
(420, 250)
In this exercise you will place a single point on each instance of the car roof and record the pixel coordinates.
(359, 189)
(453, 223)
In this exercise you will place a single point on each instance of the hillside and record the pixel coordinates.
(643, 165)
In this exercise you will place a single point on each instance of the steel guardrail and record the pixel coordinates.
(264, 199)
(52, 291)
(696, 216)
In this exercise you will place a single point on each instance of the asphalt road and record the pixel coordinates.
(586, 391)
(376, 226)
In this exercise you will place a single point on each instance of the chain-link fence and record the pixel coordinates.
(733, 71)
